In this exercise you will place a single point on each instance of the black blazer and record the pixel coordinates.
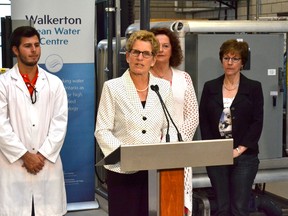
(246, 111)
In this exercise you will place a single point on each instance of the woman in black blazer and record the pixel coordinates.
(231, 106)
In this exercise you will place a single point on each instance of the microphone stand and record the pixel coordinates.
(166, 112)
(168, 123)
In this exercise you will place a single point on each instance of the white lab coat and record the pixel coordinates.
(32, 127)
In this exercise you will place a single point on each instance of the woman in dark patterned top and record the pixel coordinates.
(231, 106)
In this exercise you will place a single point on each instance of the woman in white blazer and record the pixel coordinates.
(33, 125)
(186, 106)
(130, 113)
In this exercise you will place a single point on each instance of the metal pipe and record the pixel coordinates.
(224, 26)
(145, 14)
(285, 153)
(248, 9)
(237, 26)
(236, 10)
(258, 4)
(263, 176)
(118, 37)
(110, 10)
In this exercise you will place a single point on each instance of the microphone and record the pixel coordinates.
(166, 112)
(156, 89)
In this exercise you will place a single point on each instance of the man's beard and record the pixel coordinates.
(28, 63)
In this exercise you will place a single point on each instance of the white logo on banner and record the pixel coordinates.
(54, 63)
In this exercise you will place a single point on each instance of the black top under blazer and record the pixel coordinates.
(246, 111)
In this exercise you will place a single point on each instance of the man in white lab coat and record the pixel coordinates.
(33, 119)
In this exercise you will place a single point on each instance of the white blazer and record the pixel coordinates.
(122, 120)
(186, 104)
(39, 127)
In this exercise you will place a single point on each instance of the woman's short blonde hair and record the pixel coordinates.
(143, 35)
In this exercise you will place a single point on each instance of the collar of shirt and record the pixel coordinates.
(30, 84)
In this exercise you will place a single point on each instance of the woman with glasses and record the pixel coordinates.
(231, 106)
(169, 58)
(130, 113)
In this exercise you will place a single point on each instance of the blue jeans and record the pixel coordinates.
(232, 185)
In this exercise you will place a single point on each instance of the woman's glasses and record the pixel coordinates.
(234, 60)
(145, 54)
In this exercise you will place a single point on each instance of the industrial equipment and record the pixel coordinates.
(200, 42)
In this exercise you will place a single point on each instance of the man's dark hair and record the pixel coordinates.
(22, 31)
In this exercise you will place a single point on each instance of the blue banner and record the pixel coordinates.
(67, 40)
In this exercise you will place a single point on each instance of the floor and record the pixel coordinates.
(102, 211)
(103, 203)
(98, 212)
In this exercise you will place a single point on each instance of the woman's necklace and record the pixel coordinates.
(231, 89)
(142, 90)
(162, 75)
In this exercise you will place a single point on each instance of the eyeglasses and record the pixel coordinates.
(33, 93)
(145, 54)
(234, 60)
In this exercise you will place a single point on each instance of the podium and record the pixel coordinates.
(166, 156)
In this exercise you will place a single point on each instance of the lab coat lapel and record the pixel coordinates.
(15, 74)
(41, 80)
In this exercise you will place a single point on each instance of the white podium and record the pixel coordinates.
(166, 156)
